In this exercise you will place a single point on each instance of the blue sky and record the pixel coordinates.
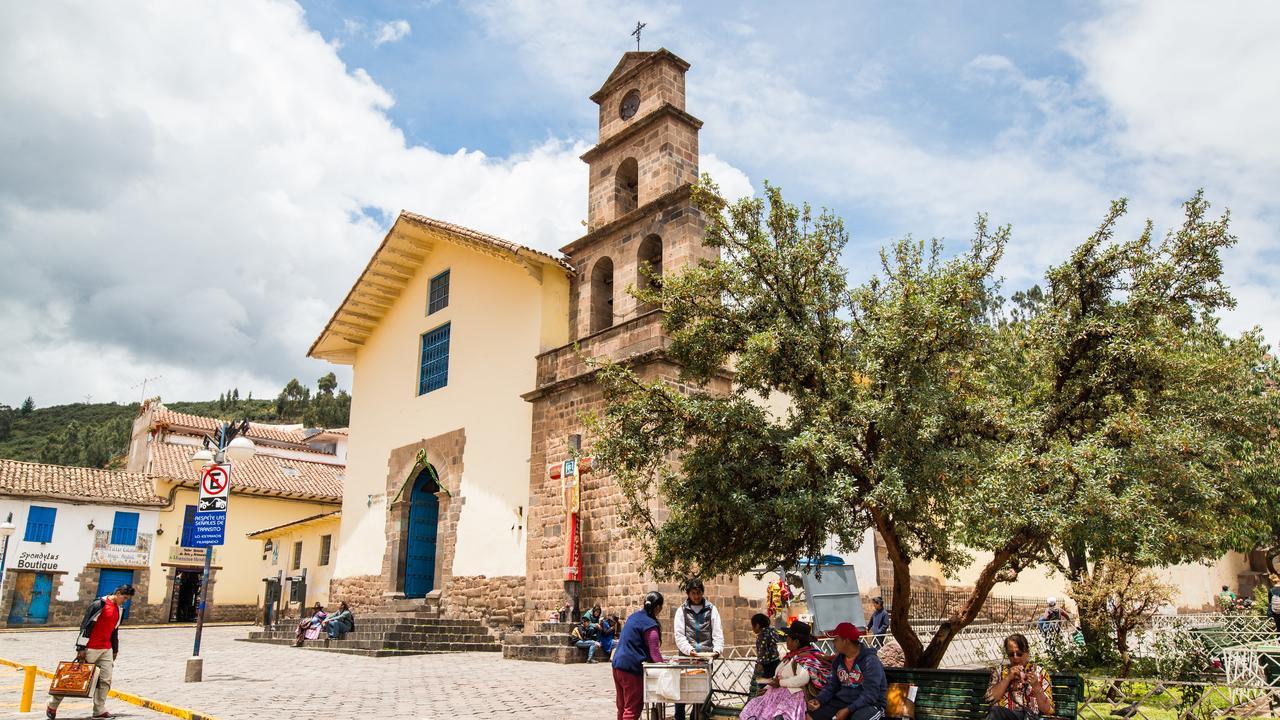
(190, 190)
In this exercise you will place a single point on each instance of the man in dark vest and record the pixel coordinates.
(696, 626)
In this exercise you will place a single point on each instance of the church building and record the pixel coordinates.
(470, 383)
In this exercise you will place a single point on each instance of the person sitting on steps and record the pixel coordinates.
(340, 623)
(586, 637)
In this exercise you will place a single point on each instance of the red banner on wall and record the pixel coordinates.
(573, 550)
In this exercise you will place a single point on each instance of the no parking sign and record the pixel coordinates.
(211, 514)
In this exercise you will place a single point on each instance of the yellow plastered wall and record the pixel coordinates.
(281, 556)
(239, 581)
(501, 317)
(1198, 584)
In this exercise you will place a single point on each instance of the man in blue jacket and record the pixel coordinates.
(857, 686)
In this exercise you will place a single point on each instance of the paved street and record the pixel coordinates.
(248, 680)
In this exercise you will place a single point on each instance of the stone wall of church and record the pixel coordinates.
(674, 221)
(662, 84)
(665, 149)
(499, 601)
(363, 593)
(611, 560)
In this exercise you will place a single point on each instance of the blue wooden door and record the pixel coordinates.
(420, 556)
(31, 595)
(109, 579)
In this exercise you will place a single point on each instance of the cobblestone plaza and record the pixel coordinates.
(249, 681)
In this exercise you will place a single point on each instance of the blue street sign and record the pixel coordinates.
(210, 528)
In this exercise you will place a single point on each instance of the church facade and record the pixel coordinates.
(470, 383)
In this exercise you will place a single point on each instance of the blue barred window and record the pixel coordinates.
(434, 373)
(438, 294)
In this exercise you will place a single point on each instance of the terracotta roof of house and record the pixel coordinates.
(263, 475)
(164, 417)
(76, 483)
(304, 521)
(406, 246)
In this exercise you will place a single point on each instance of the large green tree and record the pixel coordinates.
(920, 406)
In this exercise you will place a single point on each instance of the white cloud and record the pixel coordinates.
(393, 31)
(191, 197)
(187, 198)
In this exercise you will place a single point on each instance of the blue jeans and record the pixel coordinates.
(338, 627)
(591, 646)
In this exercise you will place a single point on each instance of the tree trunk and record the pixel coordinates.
(957, 621)
(900, 612)
(1078, 569)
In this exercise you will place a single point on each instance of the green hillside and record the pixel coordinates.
(97, 434)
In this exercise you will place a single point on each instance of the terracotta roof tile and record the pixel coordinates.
(263, 475)
(76, 483)
(164, 417)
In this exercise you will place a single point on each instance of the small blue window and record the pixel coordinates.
(188, 526)
(434, 373)
(438, 294)
(124, 531)
(40, 524)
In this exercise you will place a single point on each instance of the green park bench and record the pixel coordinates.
(941, 694)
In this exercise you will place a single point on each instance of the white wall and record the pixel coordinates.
(72, 545)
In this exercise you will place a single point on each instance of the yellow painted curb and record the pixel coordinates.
(130, 698)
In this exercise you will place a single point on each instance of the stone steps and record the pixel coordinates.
(410, 627)
(549, 642)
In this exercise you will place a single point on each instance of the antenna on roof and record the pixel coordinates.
(639, 26)
(143, 385)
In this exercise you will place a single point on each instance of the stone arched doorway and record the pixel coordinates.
(420, 546)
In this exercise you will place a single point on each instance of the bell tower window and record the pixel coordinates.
(626, 193)
(649, 274)
(602, 295)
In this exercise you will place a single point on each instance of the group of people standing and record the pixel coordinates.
(806, 683)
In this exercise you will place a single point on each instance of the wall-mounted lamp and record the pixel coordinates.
(267, 546)
(90, 525)
(159, 531)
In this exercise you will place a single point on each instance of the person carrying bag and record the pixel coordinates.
(97, 646)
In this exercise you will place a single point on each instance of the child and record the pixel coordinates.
(766, 646)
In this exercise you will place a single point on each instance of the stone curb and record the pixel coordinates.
(156, 626)
(130, 698)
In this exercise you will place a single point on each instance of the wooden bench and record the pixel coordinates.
(949, 694)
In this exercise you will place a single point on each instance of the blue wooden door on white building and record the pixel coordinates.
(420, 555)
(111, 578)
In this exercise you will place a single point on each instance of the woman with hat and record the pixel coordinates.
(792, 682)
(857, 687)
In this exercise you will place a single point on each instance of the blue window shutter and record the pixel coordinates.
(438, 293)
(188, 525)
(124, 531)
(40, 524)
(434, 371)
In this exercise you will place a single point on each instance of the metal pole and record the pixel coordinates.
(204, 597)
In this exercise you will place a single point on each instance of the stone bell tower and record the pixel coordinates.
(638, 215)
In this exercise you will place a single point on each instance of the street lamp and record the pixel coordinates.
(230, 444)
(6, 529)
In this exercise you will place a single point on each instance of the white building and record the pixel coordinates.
(80, 533)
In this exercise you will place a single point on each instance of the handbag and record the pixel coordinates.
(74, 679)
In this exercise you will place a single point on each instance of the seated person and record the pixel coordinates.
(857, 688)
(340, 623)
(1019, 690)
(766, 646)
(585, 637)
(609, 628)
(792, 683)
(595, 615)
(309, 627)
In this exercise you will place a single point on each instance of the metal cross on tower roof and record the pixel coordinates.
(636, 32)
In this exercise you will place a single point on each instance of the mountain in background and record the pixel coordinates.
(97, 434)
